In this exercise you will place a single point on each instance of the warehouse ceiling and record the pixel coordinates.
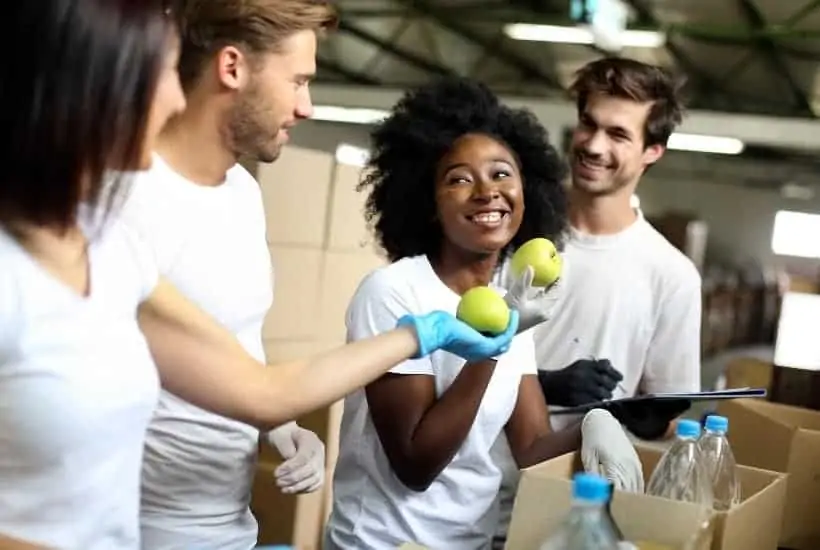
(737, 56)
(750, 56)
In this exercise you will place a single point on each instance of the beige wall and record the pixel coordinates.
(320, 251)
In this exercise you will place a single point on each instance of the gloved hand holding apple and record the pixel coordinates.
(533, 287)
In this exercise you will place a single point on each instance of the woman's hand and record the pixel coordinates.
(535, 305)
(607, 451)
(441, 330)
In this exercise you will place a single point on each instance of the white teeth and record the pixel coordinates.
(489, 217)
(592, 165)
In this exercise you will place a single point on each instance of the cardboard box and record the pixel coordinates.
(296, 193)
(784, 439)
(544, 499)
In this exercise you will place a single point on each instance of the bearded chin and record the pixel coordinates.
(246, 133)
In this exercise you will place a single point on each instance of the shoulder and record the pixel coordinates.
(133, 254)
(398, 279)
(387, 293)
(673, 270)
(149, 200)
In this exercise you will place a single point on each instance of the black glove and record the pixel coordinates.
(649, 419)
(585, 381)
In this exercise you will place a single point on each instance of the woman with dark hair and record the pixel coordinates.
(456, 181)
(82, 310)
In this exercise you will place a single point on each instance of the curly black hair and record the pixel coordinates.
(421, 129)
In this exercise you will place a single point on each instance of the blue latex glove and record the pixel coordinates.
(441, 330)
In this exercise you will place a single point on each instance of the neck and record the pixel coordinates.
(51, 244)
(601, 214)
(461, 270)
(194, 145)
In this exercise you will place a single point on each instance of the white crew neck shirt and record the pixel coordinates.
(209, 241)
(372, 509)
(77, 390)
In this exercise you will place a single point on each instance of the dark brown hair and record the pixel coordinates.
(640, 82)
(257, 26)
(77, 103)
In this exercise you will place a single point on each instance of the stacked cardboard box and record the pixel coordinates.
(320, 250)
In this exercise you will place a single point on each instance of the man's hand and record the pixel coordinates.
(584, 381)
(649, 419)
(534, 305)
(607, 451)
(303, 470)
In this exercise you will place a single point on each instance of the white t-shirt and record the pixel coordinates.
(77, 389)
(372, 509)
(210, 243)
(632, 298)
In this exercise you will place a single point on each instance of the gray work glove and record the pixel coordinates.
(607, 451)
(535, 305)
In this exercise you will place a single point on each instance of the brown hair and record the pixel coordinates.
(257, 26)
(639, 82)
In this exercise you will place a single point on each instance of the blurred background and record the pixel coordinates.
(738, 191)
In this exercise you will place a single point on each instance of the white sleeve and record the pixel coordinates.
(144, 261)
(376, 307)
(673, 359)
(144, 213)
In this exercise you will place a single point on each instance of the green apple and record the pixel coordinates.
(484, 309)
(541, 254)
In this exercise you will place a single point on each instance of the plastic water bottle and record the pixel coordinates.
(719, 462)
(681, 473)
(587, 526)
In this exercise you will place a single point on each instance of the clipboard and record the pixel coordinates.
(716, 395)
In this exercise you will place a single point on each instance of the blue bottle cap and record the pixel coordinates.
(590, 487)
(715, 423)
(688, 428)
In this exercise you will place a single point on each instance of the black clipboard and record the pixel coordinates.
(716, 395)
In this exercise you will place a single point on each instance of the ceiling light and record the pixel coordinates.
(352, 155)
(705, 144)
(580, 35)
(350, 115)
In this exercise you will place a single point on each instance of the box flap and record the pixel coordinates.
(753, 416)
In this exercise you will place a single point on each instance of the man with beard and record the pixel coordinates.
(628, 320)
(245, 68)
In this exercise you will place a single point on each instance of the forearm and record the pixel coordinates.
(551, 445)
(445, 425)
(270, 397)
(203, 363)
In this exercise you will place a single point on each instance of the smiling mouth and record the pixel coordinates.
(589, 164)
(489, 219)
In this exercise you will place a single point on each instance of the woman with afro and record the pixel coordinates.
(456, 181)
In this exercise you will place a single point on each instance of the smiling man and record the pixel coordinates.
(628, 320)
(245, 66)
(631, 317)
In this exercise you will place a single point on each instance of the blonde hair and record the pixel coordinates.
(257, 26)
